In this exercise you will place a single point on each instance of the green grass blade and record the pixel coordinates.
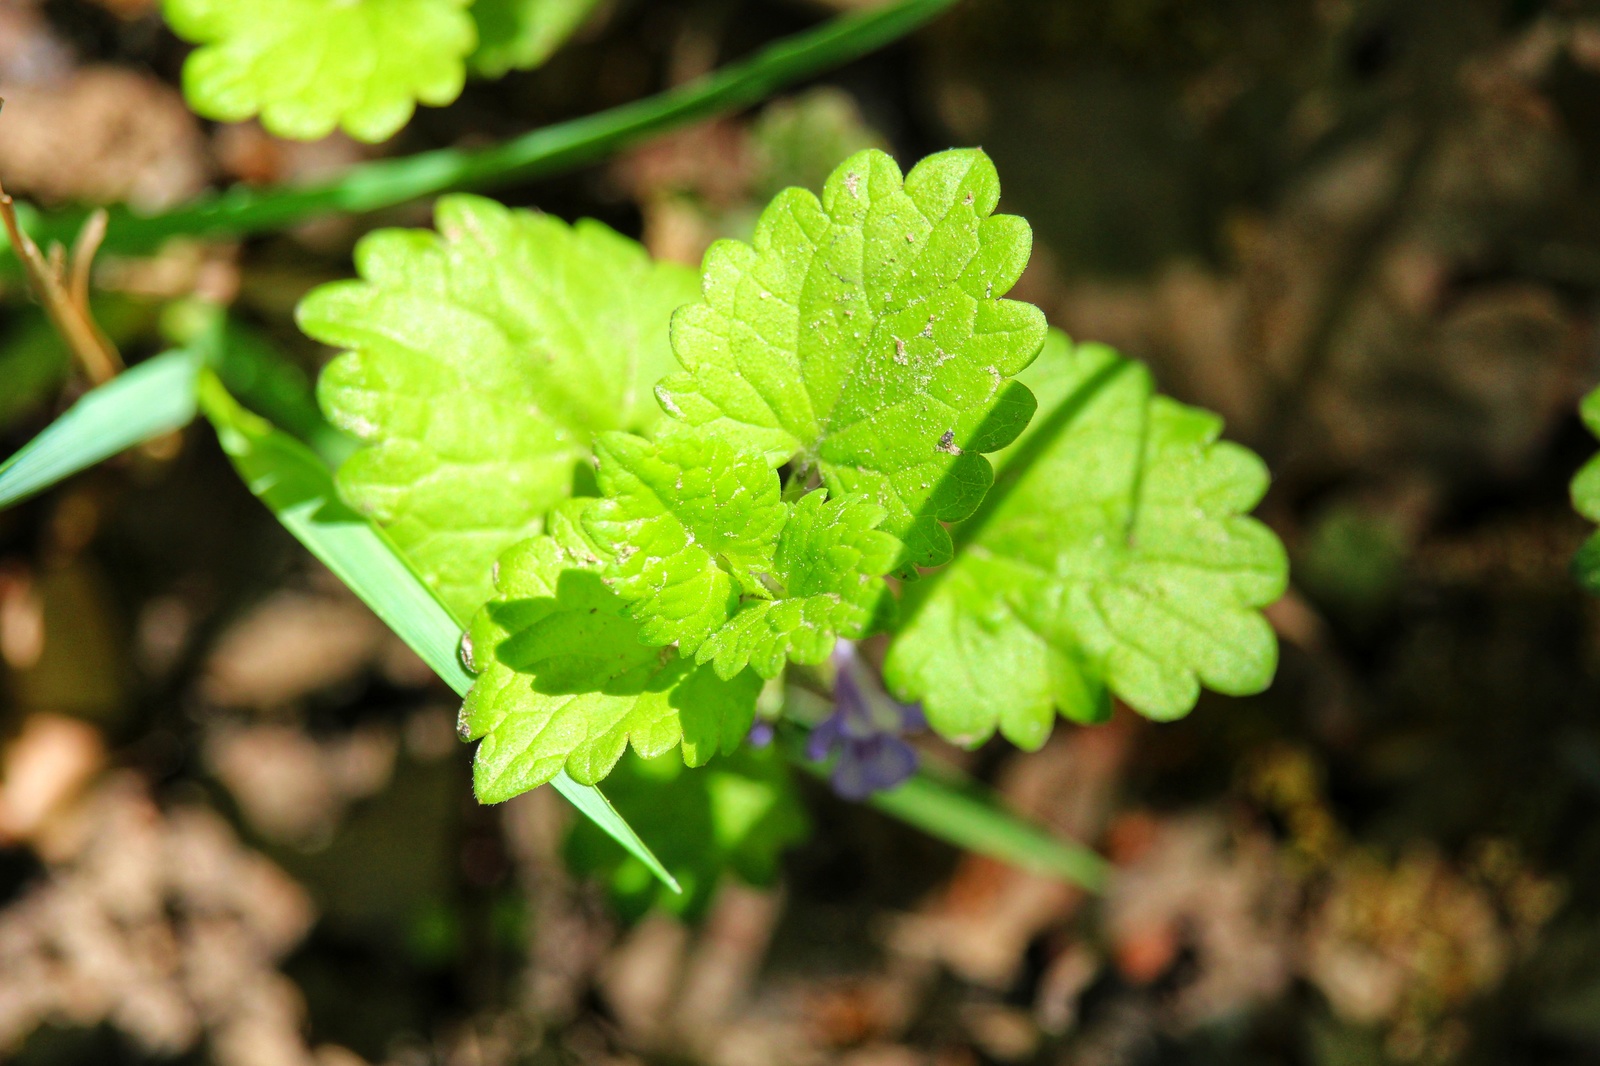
(944, 804)
(155, 397)
(254, 371)
(386, 183)
(289, 478)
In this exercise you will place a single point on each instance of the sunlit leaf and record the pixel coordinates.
(565, 682)
(1115, 554)
(711, 560)
(864, 336)
(307, 67)
(288, 477)
(479, 362)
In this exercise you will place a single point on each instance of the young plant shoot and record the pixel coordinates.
(660, 505)
(831, 492)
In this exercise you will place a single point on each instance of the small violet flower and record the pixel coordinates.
(762, 732)
(865, 730)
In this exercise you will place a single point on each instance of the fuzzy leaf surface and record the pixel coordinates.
(713, 560)
(308, 67)
(737, 815)
(522, 34)
(564, 681)
(863, 334)
(479, 362)
(1114, 554)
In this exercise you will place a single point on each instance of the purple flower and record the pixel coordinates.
(761, 733)
(865, 730)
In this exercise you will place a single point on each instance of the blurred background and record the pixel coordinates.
(236, 825)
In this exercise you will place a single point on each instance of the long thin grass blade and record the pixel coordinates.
(385, 183)
(155, 397)
(290, 479)
(942, 804)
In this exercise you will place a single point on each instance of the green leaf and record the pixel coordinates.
(565, 682)
(800, 139)
(711, 559)
(298, 489)
(1114, 553)
(691, 523)
(521, 34)
(827, 580)
(153, 398)
(737, 815)
(308, 66)
(1586, 499)
(480, 361)
(384, 183)
(863, 336)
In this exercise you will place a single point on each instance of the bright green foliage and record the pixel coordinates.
(709, 578)
(1586, 498)
(1119, 558)
(521, 34)
(296, 486)
(710, 558)
(308, 66)
(565, 682)
(691, 523)
(480, 361)
(863, 336)
(826, 582)
(737, 815)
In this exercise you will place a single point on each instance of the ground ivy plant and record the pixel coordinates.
(699, 528)
(666, 505)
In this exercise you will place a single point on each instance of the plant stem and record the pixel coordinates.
(66, 301)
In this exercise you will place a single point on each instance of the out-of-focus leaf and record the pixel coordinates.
(521, 34)
(33, 365)
(251, 367)
(738, 815)
(800, 139)
(155, 397)
(309, 66)
(298, 489)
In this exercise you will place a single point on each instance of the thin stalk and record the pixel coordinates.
(66, 302)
